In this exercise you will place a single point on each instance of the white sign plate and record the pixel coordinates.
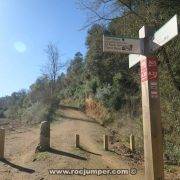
(123, 45)
(134, 59)
(164, 34)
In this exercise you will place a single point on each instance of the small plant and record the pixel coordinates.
(108, 120)
(170, 168)
(41, 156)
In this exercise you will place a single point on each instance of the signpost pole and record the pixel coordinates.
(141, 49)
(153, 152)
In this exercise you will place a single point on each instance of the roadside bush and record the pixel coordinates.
(52, 109)
(35, 114)
(79, 92)
(12, 112)
(172, 153)
(108, 119)
(92, 86)
(104, 94)
(2, 110)
(116, 101)
(110, 97)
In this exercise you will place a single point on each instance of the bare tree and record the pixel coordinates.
(107, 10)
(52, 68)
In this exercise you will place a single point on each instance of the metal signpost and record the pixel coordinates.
(148, 42)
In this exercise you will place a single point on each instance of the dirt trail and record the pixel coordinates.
(22, 164)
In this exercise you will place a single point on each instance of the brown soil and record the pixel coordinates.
(22, 163)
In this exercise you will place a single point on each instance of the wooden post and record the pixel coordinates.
(153, 151)
(153, 147)
(106, 141)
(44, 136)
(2, 142)
(77, 141)
(132, 143)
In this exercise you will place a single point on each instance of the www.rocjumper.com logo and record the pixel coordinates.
(97, 172)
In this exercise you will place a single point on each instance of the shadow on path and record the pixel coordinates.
(79, 119)
(89, 151)
(69, 107)
(114, 152)
(55, 151)
(20, 168)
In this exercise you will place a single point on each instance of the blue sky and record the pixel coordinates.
(26, 27)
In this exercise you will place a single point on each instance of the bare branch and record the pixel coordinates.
(95, 7)
(98, 20)
(52, 68)
(97, 14)
(130, 8)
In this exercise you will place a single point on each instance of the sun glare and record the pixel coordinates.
(20, 46)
